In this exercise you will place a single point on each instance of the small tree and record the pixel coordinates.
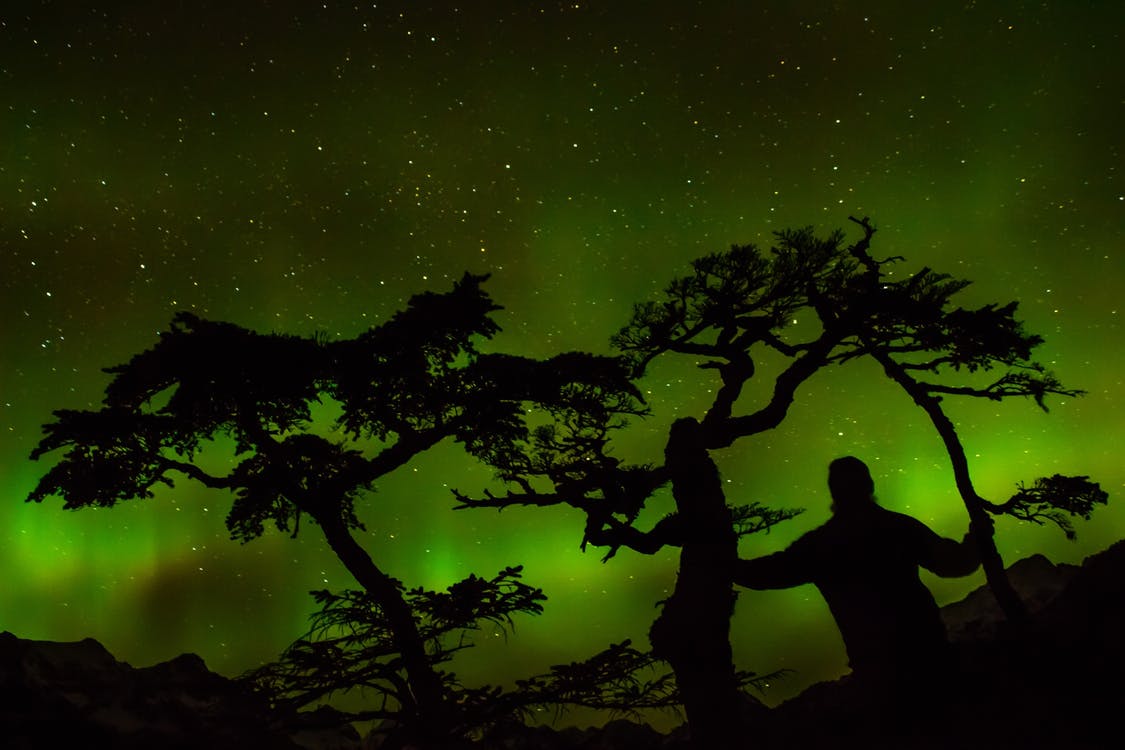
(733, 307)
(401, 388)
(350, 648)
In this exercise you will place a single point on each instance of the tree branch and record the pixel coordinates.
(720, 432)
(509, 499)
(668, 532)
(194, 472)
(408, 445)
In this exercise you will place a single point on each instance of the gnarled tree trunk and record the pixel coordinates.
(1006, 596)
(693, 632)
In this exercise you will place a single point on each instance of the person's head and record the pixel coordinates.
(850, 484)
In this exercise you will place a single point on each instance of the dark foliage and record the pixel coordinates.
(401, 387)
(1057, 499)
(351, 643)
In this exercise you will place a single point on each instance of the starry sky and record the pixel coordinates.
(306, 167)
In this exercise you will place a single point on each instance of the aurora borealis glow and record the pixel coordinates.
(300, 167)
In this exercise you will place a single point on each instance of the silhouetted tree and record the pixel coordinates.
(911, 329)
(734, 307)
(401, 388)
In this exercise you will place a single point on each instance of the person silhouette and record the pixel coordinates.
(865, 561)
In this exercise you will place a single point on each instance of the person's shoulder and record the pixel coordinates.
(812, 537)
(903, 520)
(894, 515)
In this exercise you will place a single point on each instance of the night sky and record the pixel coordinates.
(305, 168)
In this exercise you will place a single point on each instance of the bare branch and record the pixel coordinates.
(527, 498)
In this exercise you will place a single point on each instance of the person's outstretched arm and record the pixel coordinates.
(948, 558)
(781, 570)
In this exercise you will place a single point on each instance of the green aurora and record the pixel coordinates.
(305, 169)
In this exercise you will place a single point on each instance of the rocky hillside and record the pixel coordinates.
(1059, 685)
(76, 695)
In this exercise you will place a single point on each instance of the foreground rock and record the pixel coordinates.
(76, 695)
